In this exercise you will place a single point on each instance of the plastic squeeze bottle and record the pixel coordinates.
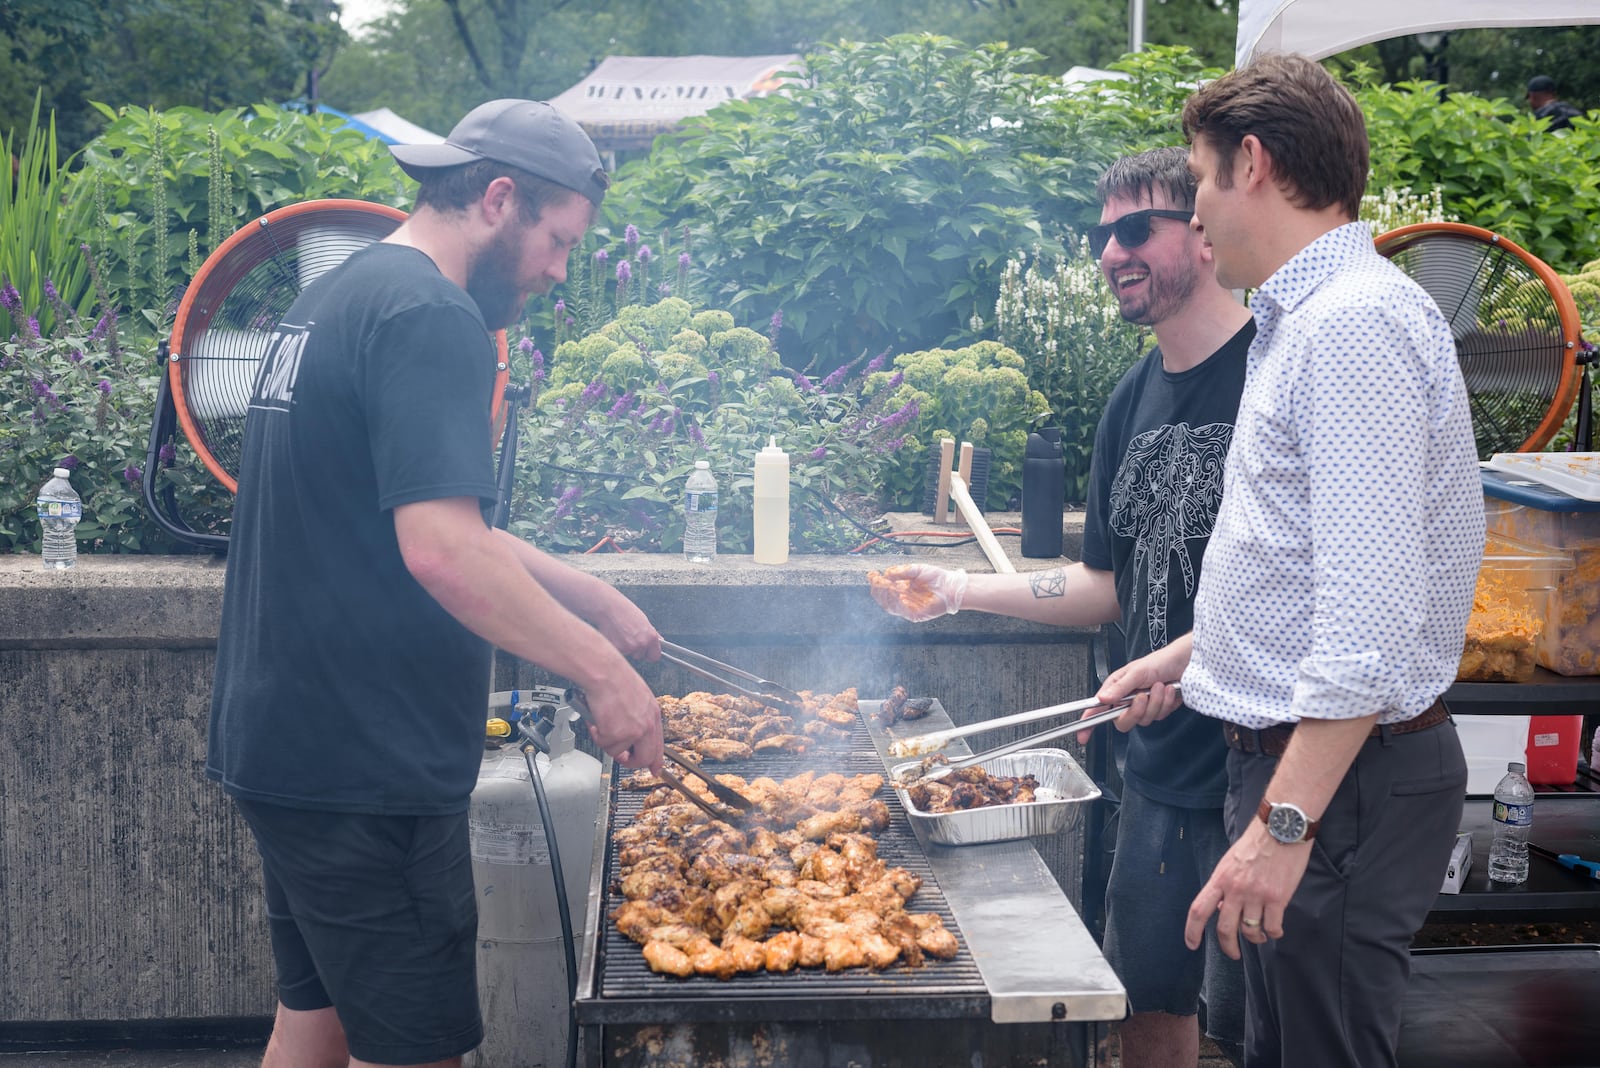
(772, 505)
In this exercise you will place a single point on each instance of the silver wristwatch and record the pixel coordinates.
(1287, 823)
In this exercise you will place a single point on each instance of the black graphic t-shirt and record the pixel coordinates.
(1154, 490)
(341, 684)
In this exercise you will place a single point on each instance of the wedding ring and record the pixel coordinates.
(1251, 923)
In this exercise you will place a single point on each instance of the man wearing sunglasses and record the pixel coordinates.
(1153, 494)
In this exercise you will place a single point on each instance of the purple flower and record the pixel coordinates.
(630, 234)
(892, 446)
(777, 321)
(168, 454)
(644, 254)
(594, 391)
(561, 307)
(805, 384)
(835, 377)
(601, 257)
(907, 413)
(70, 462)
(619, 409)
(50, 290)
(713, 378)
(877, 362)
(624, 272)
(41, 388)
(568, 498)
(104, 387)
(33, 327)
(571, 321)
(661, 387)
(132, 473)
(76, 355)
(895, 380)
(536, 358)
(696, 436)
(10, 299)
(683, 260)
(525, 346)
(101, 326)
(819, 452)
(665, 289)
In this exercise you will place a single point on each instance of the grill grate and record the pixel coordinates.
(624, 975)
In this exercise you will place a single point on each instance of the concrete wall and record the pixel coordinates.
(129, 888)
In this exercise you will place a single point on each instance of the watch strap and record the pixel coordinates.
(1265, 812)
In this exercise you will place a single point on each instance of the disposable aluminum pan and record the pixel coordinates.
(1060, 778)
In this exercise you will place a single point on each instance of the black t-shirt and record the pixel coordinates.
(341, 684)
(1154, 489)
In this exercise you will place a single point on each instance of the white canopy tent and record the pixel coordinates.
(1319, 28)
(627, 100)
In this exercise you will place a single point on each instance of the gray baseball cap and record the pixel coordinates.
(527, 134)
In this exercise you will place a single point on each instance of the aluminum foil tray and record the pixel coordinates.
(1056, 771)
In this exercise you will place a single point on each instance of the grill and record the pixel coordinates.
(990, 1005)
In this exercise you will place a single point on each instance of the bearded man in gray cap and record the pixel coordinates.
(364, 592)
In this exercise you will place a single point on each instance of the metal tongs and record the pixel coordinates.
(730, 797)
(734, 678)
(929, 743)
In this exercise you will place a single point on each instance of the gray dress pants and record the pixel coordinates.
(1329, 992)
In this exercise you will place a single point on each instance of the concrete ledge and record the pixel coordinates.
(129, 889)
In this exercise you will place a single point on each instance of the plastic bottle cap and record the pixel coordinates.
(62, 472)
(1515, 766)
(772, 451)
(702, 465)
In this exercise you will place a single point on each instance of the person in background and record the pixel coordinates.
(1558, 114)
(1155, 484)
(1333, 606)
(364, 592)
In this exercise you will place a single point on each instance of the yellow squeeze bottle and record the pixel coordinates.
(772, 505)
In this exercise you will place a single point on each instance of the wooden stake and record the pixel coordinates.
(941, 503)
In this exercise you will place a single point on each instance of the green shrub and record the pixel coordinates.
(1495, 165)
(874, 205)
(83, 398)
(608, 444)
(153, 174)
(39, 256)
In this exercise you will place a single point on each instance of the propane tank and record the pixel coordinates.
(522, 975)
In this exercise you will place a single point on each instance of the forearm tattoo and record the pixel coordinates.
(1052, 583)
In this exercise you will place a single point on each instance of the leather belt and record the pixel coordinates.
(1273, 741)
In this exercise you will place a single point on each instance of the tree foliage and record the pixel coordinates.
(156, 53)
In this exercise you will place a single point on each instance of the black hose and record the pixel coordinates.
(562, 909)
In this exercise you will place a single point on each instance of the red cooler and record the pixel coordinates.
(1553, 749)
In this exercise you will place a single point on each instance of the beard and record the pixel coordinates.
(491, 281)
(1166, 290)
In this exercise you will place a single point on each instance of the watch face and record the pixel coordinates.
(1286, 823)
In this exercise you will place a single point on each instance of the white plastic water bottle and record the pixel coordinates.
(1513, 820)
(60, 508)
(700, 515)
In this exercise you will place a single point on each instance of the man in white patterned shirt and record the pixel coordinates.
(1332, 608)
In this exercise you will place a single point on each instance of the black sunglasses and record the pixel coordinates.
(1132, 230)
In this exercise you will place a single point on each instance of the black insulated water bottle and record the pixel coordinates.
(1044, 493)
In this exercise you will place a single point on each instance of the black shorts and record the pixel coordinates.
(376, 917)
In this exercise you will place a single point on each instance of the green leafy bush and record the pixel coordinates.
(39, 256)
(874, 205)
(153, 174)
(83, 398)
(622, 415)
(1495, 165)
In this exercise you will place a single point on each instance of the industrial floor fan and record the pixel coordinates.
(1516, 331)
(224, 323)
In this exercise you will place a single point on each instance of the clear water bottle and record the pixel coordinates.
(700, 515)
(1513, 820)
(60, 508)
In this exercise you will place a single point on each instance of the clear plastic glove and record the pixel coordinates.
(919, 592)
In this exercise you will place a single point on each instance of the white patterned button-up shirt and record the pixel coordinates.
(1340, 574)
